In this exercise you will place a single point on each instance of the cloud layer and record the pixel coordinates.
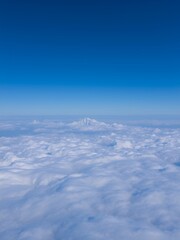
(88, 180)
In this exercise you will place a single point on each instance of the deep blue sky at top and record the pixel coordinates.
(89, 57)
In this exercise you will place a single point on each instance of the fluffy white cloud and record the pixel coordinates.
(88, 180)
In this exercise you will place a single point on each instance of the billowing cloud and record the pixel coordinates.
(88, 180)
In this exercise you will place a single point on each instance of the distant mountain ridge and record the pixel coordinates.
(92, 124)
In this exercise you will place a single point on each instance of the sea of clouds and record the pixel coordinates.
(88, 180)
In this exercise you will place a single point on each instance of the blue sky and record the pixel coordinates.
(89, 57)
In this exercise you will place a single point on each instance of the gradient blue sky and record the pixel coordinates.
(89, 57)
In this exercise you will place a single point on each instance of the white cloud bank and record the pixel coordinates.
(88, 180)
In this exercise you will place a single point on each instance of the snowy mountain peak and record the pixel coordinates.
(89, 124)
(89, 121)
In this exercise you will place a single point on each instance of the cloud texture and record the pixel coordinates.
(88, 180)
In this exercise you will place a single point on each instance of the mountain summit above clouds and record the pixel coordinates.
(89, 124)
